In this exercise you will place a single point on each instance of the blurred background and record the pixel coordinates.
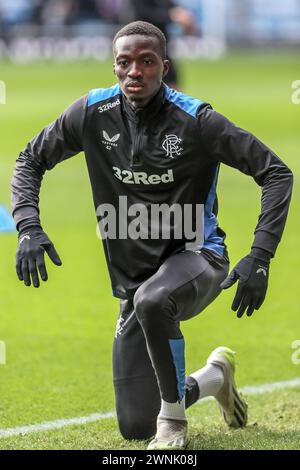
(74, 29)
(244, 58)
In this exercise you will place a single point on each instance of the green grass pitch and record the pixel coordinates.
(58, 338)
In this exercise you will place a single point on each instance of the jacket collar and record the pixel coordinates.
(137, 114)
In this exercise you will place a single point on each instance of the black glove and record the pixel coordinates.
(252, 274)
(33, 242)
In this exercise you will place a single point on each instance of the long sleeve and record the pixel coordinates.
(58, 141)
(240, 149)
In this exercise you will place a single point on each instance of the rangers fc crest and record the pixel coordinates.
(171, 146)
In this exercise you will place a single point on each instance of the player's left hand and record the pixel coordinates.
(252, 276)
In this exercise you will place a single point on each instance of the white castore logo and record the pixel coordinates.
(110, 142)
(119, 327)
(26, 237)
(262, 270)
(171, 146)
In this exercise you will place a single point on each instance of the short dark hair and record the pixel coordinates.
(144, 29)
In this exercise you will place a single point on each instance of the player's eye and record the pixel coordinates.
(148, 61)
(123, 63)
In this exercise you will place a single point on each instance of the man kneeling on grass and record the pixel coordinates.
(146, 144)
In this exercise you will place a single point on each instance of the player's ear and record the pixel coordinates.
(114, 68)
(166, 64)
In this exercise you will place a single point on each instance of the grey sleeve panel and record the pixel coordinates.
(58, 141)
(240, 149)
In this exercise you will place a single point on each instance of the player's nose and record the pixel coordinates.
(135, 71)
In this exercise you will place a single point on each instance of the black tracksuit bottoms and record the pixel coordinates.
(148, 351)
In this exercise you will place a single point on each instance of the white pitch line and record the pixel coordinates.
(259, 389)
(61, 423)
(265, 388)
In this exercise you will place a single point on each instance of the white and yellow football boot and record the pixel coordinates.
(233, 407)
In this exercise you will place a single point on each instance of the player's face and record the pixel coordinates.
(139, 67)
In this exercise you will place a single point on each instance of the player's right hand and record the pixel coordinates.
(32, 244)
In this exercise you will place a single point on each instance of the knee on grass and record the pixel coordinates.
(132, 430)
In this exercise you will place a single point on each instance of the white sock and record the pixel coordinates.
(210, 379)
(173, 410)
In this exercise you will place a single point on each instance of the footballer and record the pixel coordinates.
(157, 149)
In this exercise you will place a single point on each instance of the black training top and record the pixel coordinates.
(138, 159)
